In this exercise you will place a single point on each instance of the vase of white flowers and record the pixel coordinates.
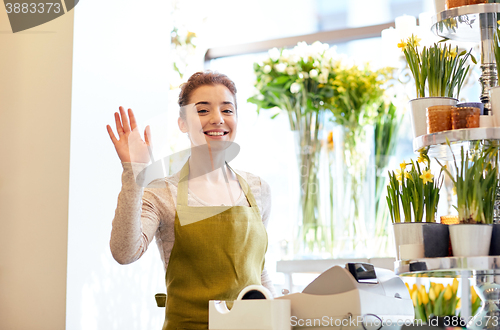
(308, 83)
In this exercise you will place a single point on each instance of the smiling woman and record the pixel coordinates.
(208, 219)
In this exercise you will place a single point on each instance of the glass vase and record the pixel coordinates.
(312, 232)
(353, 191)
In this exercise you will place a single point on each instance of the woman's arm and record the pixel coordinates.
(136, 218)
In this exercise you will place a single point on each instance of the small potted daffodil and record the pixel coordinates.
(475, 181)
(412, 197)
(439, 72)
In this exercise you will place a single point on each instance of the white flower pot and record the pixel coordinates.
(470, 240)
(418, 112)
(495, 105)
(409, 240)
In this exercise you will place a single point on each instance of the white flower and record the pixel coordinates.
(295, 88)
(293, 59)
(260, 97)
(267, 69)
(313, 73)
(280, 67)
(290, 70)
(303, 75)
(323, 78)
(274, 53)
(285, 53)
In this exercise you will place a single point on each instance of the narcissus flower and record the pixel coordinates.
(426, 176)
(402, 45)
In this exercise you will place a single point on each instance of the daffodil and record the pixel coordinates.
(453, 53)
(402, 45)
(403, 165)
(454, 190)
(399, 175)
(415, 41)
(407, 175)
(421, 159)
(426, 176)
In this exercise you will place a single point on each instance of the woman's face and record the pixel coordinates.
(210, 116)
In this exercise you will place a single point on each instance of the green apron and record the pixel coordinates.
(212, 259)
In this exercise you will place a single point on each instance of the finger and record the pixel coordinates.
(125, 121)
(119, 127)
(147, 136)
(133, 122)
(111, 134)
(125, 124)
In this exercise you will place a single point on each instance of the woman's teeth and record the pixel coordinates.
(215, 133)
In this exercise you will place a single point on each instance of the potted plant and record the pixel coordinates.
(411, 192)
(439, 72)
(475, 181)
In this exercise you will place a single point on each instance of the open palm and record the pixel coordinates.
(129, 145)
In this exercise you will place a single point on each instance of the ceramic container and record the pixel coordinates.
(465, 117)
(418, 109)
(438, 118)
(470, 240)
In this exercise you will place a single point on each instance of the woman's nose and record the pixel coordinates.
(217, 118)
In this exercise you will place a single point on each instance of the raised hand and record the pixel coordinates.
(130, 146)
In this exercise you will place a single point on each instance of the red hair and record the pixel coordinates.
(199, 79)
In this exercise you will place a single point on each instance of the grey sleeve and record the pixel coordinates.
(136, 218)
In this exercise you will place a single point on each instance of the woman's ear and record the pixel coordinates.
(182, 125)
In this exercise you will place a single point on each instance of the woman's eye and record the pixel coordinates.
(228, 111)
(202, 111)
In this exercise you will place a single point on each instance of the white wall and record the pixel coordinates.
(35, 109)
(120, 58)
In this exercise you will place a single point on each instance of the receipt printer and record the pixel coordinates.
(358, 296)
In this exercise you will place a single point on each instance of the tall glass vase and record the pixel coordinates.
(352, 174)
(312, 234)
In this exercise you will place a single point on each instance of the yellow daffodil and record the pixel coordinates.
(403, 165)
(402, 45)
(407, 175)
(454, 190)
(453, 53)
(415, 41)
(399, 175)
(426, 176)
(421, 159)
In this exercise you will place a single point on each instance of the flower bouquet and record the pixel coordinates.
(308, 83)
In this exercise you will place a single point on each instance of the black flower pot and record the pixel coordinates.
(495, 241)
(436, 240)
